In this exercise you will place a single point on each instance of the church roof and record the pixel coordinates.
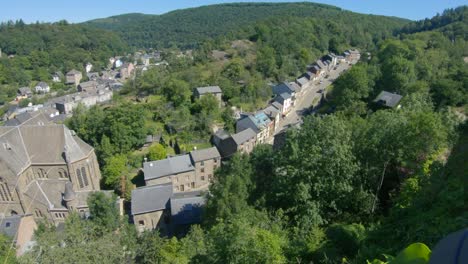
(24, 145)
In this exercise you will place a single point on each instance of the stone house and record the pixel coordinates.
(213, 90)
(173, 189)
(188, 172)
(67, 103)
(87, 86)
(46, 171)
(242, 142)
(149, 205)
(73, 77)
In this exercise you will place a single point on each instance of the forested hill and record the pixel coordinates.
(187, 27)
(452, 22)
(41, 49)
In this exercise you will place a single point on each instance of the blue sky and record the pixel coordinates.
(82, 10)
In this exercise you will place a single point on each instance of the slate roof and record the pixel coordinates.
(9, 225)
(24, 90)
(43, 85)
(204, 154)
(151, 198)
(282, 97)
(186, 208)
(388, 99)
(23, 145)
(302, 81)
(243, 136)
(283, 88)
(73, 72)
(256, 122)
(88, 86)
(320, 64)
(271, 111)
(277, 105)
(208, 90)
(169, 166)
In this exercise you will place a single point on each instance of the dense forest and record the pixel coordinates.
(452, 22)
(355, 183)
(187, 28)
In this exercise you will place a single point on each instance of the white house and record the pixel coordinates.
(42, 87)
(88, 67)
(285, 100)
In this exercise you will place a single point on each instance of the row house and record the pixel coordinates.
(260, 123)
(228, 145)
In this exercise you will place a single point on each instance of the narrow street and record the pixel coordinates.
(312, 91)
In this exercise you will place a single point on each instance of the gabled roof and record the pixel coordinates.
(271, 111)
(277, 105)
(24, 90)
(302, 81)
(283, 88)
(209, 90)
(388, 99)
(73, 72)
(204, 154)
(151, 198)
(42, 85)
(169, 166)
(244, 136)
(23, 145)
(281, 98)
(320, 64)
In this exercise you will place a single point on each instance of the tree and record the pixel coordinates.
(115, 167)
(317, 173)
(230, 190)
(352, 87)
(157, 152)
(266, 62)
(104, 212)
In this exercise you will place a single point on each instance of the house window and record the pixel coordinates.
(80, 180)
(5, 194)
(182, 188)
(141, 223)
(7, 224)
(202, 170)
(202, 178)
(210, 177)
(202, 163)
(192, 185)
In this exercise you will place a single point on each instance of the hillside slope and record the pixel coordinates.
(452, 22)
(187, 27)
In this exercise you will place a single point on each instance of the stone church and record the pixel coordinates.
(46, 171)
